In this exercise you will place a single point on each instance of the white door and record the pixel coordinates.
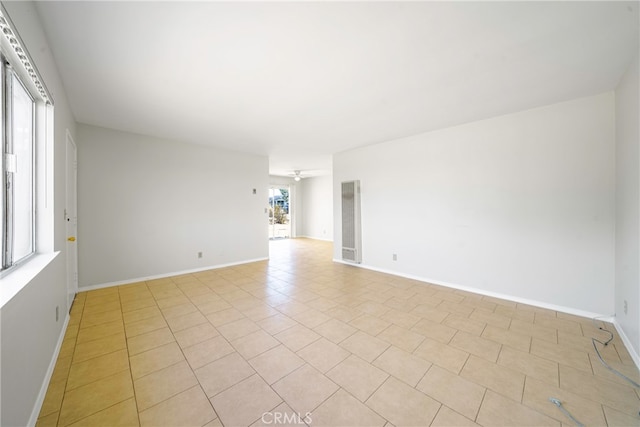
(71, 219)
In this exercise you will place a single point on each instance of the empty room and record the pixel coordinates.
(320, 213)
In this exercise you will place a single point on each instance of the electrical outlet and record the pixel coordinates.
(199, 254)
(395, 257)
(57, 312)
(626, 307)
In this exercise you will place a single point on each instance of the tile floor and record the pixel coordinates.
(300, 339)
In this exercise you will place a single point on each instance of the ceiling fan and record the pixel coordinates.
(296, 175)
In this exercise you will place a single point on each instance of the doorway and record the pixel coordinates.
(279, 212)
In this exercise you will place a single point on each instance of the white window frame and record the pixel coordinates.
(15, 277)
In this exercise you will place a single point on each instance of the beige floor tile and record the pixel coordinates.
(507, 338)
(238, 328)
(559, 324)
(223, 317)
(500, 379)
(210, 306)
(149, 341)
(530, 365)
(370, 324)
(50, 420)
(537, 394)
(434, 330)
(189, 408)
(297, 337)
(304, 389)
(565, 355)
(141, 314)
(617, 418)
(461, 395)
(403, 405)
(497, 410)
(91, 370)
(137, 304)
(61, 370)
(479, 346)
(342, 409)
(335, 330)
(343, 313)
(123, 414)
(223, 373)
(161, 385)
(186, 321)
(259, 312)
(94, 397)
(53, 398)
(492, 319)
(255, 343)
(617, 396)
(276, 363)
(358, 377)
(178, 310)
(244, 403)
(93, 319)
(195, 334)
(365, 346)
(155, 359)
(402, 365)
(276, 324)
(145, 325)
(99, 347)
(535, 331)
(207, 351)
(282, 416)
(172, 300)
(462, 323)
(102, 330)
(401, 318)
(323, 354)
(311, 318)
(442, 355)
(447, 417)
(401, 338)
(429, 312)
(601, 371)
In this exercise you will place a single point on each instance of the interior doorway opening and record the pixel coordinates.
(279, 212)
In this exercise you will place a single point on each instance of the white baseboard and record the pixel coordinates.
(165, 275)
(563, 309)
(47, 378)
(627, 343)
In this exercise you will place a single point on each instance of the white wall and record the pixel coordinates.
(148, 206)
(627, 276)
(317, 207)
(29, 331)
(521, 205)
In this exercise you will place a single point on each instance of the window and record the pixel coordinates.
(18, 180)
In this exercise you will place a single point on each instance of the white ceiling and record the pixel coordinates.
(301, 81)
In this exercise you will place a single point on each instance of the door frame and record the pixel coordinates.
(71, 217)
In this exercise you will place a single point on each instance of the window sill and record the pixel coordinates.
(15, 281)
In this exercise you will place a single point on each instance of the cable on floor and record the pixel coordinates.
(557, 402)
(605, 364)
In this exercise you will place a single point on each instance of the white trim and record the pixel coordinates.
(164, 275)
(14, 280)
(47, 378)
(564, 309)
(627, 342)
